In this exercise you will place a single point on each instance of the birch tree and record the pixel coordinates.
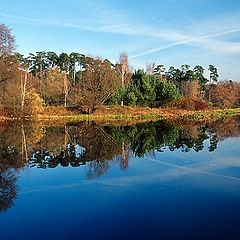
(64, 65)
(123, 69)
(24, 64)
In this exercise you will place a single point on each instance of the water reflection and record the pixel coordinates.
(8, 189)
(78, 145)
(97, 146)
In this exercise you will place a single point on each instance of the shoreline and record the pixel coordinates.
(131, 113)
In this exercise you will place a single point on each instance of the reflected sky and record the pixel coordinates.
(164, 194)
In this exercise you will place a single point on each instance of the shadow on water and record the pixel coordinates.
(98, 147)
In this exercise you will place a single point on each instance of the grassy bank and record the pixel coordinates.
(130, 113)
(213, 114)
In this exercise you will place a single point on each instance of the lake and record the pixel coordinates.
(156, 180)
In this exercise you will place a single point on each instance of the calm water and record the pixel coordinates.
(145, 181)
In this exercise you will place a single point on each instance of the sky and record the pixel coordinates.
(170, 32)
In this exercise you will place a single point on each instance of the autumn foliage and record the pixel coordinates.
(225, 94)
(34, 84)
(190, 104)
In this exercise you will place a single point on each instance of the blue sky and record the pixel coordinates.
(170, 32)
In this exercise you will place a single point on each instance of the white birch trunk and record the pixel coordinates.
(65, 90)
(23, 91)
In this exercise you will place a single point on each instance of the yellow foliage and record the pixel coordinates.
(34, 103)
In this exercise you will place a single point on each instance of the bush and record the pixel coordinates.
(34, 103)
(224, 94)
(190, 104)
(117, 97)
(166, 92)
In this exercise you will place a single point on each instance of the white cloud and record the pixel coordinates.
(211, 34)
(120, 26)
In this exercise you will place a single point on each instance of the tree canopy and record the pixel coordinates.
(75, 80)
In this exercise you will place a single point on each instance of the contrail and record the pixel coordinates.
(116, 28)
(36, 20)
(153, 50)
(188, 40)
(77, 26)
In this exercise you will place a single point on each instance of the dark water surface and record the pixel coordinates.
(146, 181)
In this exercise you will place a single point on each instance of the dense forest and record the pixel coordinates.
(83, 83)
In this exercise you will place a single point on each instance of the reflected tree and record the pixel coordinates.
(146, 137)
(83, 144)
(98, 147)
(8, 189)
(9, 163)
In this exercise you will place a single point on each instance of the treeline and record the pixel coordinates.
(84, 83)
